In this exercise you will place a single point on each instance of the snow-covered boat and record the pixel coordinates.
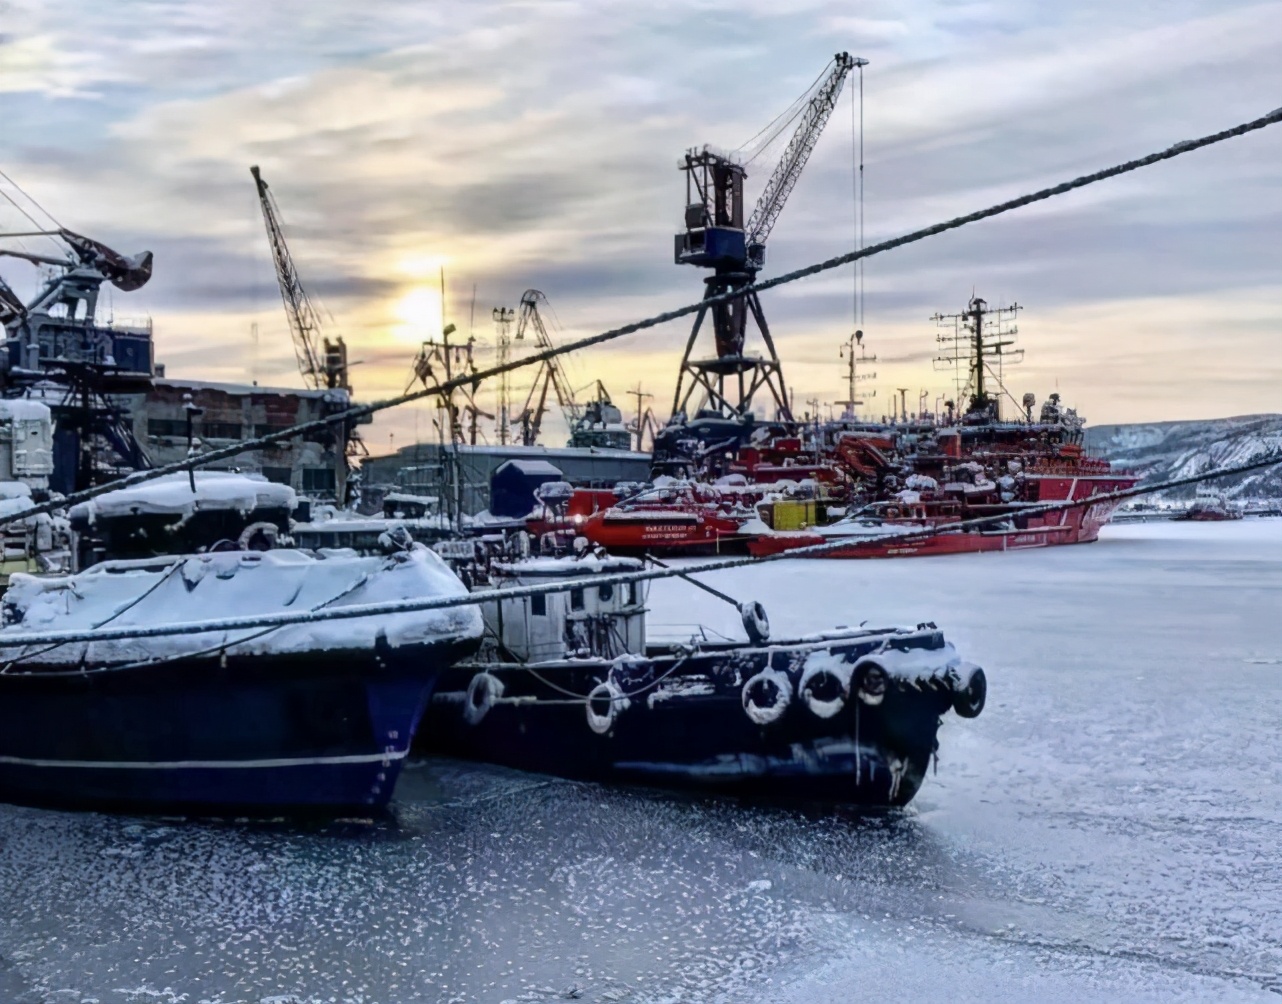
(1210, 505)
(566, 683)
(308, 716)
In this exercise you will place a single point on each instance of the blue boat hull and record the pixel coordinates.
(323, 732)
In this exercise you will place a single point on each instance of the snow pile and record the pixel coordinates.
(15, 496)
(24, 410)
(173, 495)
(182, 589)
(919, 664)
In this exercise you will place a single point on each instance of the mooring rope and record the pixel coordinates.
(357, 412)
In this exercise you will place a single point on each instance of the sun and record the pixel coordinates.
(418, 312)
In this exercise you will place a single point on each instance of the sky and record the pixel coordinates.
(535, 145)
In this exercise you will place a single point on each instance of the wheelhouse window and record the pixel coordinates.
(576, 599)
(606, 592)
(539, 605)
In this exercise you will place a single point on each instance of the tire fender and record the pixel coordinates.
(482, 691)
(758, 702)
(615, 701)
(755, 622)
(969, 701)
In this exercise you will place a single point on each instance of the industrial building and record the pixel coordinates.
(460, 474)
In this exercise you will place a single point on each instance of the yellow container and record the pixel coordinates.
(794, 514)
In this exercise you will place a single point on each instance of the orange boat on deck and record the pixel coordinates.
(683, 517)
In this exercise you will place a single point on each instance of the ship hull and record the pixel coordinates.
(1070, 526)
(310, 732)
(705, 721)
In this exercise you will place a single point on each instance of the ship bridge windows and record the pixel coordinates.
(576, 599)
(606, 592)
(539, 605)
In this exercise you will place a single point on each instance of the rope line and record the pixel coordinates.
(618, 578)
(474, 380)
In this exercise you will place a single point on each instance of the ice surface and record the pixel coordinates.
(1109, 829)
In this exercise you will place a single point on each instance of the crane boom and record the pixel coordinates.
(551, 374)
(766, 213)
(304, 324)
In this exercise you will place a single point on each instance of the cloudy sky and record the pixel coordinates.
(534, 144)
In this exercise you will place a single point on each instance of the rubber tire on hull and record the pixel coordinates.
(970, 702)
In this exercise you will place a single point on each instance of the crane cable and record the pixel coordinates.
(354, 414)
(392, 607)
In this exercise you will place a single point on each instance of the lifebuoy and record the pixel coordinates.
(969, 701)
(482, 691)
(258, 536)
(870, 683)
(755, 622)
(766, 696)
(608, 694)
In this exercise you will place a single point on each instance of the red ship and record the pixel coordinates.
(963, 468)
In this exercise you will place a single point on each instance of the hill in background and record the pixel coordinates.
(1162, 450)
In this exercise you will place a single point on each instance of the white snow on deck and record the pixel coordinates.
(173, 494)
(237, 584)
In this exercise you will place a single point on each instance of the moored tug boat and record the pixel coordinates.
(314, 716)
(566, 683)
(1210, 506)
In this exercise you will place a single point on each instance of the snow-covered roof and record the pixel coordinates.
(22, 408)
(411, 499)
(15, 496)
(567, 567)
(234, 584)
(172, 494)
(538, 468)
(324, 394)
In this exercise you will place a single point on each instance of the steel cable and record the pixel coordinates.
(353, 414)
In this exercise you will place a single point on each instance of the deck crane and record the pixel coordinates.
(321, 361)
(550, 374)
(717, 237)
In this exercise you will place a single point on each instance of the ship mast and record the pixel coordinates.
(853, 377)
(979, 336)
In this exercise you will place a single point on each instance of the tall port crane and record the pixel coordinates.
(550, 375)
(322, 361)
(716, 236)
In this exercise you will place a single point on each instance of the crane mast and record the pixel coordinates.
(322, 362)
(717, 237)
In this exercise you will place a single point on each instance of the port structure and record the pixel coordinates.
(717, 236)
(55, 343)
(322, 360)
(981, 337)
(853, 377)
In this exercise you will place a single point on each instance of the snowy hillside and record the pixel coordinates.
(1162, 450)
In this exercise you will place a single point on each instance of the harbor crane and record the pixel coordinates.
(322, 361)
(549, 377)
(717, 236)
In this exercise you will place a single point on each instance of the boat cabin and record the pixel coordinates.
(590, 620)
(181, 514)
